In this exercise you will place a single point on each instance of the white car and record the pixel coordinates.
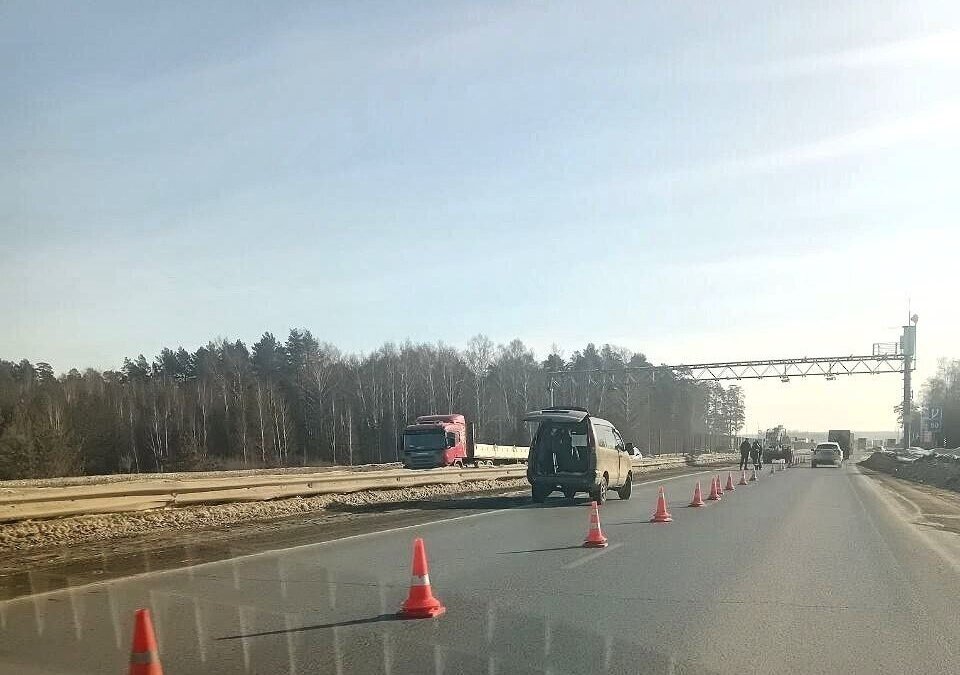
(826, 453)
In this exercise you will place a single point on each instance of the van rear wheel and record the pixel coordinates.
(539, 494)
(599, 494)
(627, 489)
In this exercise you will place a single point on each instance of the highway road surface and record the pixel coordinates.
(805, 571)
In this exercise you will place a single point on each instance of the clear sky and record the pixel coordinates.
(696, 181)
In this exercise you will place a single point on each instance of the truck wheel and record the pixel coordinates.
(599, 494)
(627, 489)
(570, 493)
(539, 494)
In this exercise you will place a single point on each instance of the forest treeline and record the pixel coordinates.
(304, 402)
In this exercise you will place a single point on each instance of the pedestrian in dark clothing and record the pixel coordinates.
(757, 453)
(744, 454)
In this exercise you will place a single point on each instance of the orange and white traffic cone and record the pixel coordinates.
(772, 469)
(420, 603)
(714, 494)
(697, 496)
(144, 655)
(743, 478)
(661, 515)
(719, 486)
(595, 538)
(729, 487)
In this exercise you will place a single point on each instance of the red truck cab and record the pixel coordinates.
(435, 440)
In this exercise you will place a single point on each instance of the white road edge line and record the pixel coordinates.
(94, 584)
(943, 544)
(593, 556)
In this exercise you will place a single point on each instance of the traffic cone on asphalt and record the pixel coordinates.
(743, 478)
(144, 656)
(661, 515)
(714, 495)
(772, 469)
(753, 476)
(420, 603)
(729, 487)
(719, 486)
(595, 538)
(697, 496)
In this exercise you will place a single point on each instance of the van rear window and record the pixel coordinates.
(561, 447)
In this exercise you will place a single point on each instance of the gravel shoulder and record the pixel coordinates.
(930, 493)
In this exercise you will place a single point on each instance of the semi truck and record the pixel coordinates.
(448, 440)
(843, 438)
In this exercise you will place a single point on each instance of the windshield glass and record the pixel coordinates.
(431, 440)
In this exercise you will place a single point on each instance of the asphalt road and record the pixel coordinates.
(805, 571)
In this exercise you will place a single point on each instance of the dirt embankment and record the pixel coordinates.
(941, 472)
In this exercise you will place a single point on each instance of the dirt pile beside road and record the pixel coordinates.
(941, 472)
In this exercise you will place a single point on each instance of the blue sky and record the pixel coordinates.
(747, 180)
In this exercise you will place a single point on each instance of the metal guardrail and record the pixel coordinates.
(156, 492)
(53, 502)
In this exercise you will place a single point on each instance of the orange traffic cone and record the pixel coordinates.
(697, 496)
(729, 487)
(743, 478)
(420, 603)
(714, 494)
(595, 538)
(661, 515)
(719, 486)
(144, 657)
(753, 476)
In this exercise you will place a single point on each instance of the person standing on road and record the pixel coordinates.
(757, 455)
(744, 454)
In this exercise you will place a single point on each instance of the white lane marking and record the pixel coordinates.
(362, 535)
(141, 575)
(593, 556)
(944, 544)
(683, 475)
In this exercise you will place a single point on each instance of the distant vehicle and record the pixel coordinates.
(447, 440)
(573, 452)
(843, 438)
(826, 453)
(777, 444)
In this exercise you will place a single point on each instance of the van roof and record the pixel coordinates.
(556, 415)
